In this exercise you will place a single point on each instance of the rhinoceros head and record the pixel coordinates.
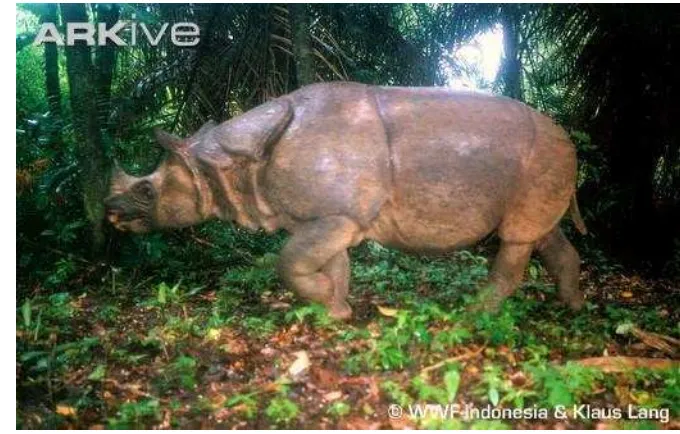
(176, 194)
(167, 198)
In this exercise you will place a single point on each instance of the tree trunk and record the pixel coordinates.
(511, 67)
(48, 14)
(106, 62)
(299, 25)
(92, 157)
(53, 91)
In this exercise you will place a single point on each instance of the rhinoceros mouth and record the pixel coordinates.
(123, 223)
(126, 217)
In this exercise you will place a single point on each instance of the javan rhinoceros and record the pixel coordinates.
(420, 169)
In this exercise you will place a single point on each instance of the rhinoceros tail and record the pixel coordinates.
(576, 215)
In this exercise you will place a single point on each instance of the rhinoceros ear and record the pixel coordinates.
(167, 140)
(253, 132)
(205, 128)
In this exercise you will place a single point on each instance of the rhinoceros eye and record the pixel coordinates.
(144, 190)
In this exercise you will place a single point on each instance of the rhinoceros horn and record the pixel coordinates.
(204, 129)
(121, 181)
(167, 140)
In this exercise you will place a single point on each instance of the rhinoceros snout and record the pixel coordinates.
(113, 216)
(119, 214)
(112, 209)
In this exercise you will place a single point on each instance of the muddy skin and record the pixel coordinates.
(419, 169)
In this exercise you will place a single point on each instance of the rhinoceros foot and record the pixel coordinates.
(340, 311)
(575, 302)
(488, 300)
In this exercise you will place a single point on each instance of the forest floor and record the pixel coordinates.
(246, 354)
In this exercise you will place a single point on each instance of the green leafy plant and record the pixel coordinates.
(499, 329)
(134, 415)
(396, 393)
(98, 374)
(315, 312)
(451, 382)
(429, 393)
(282, 410)
(339, 409)
(260, 327)
(166, 295)
(183, 372)
(246, 402)
(492, 381)
(564, 385)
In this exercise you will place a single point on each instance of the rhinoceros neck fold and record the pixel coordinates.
(244, 197)
(202, 187)
(232, 192)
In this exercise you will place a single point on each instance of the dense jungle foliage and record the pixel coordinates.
(192, 328)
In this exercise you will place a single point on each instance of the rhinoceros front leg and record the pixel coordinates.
(338, 270)
(506, 275)
(315, 264)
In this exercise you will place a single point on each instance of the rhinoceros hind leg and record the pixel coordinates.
(506, 275)
(315, 264)
(563, 263)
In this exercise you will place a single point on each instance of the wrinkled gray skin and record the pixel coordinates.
(420, 169)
